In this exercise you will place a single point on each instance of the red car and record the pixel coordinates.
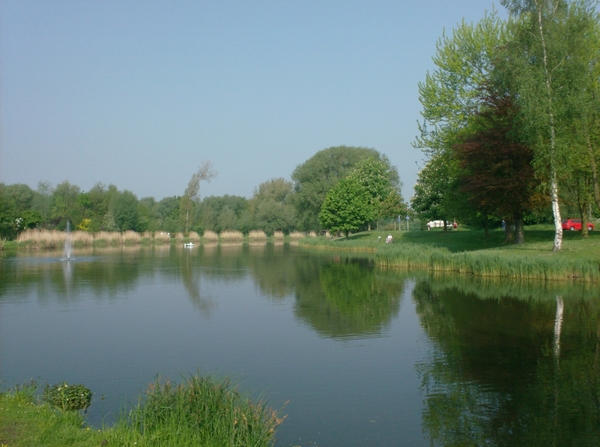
(575, 225)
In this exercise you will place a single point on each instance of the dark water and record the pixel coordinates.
(355, 356)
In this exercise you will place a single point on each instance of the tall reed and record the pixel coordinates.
(210, 236)
(107, 238)
(278, 235)
(82, 238)
(162, 237)
(257, 235)
(194, 237)
(130, 238)
(297, 235)
(42, 238)
(231, 236)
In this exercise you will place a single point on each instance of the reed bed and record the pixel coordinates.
(107, 238)
(488, 264)
(210, 236)
(257, 235)
(130, 238)
(278, 235)
(162, 237)
(194, 237)
(295, 235)
(231, 236)
(45, 239)
(82, 238)
(312, 234)
(147, 237)
(179, 237)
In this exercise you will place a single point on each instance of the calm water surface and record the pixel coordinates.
(355, 356)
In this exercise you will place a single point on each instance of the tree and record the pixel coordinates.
(218, 213)
(42, 201)
(451, 99)
(543, 57)
(450, 95)
(271, 208)
(496, 171)
(431, 190)
(192, 193)
(347, 207)
(65, 206)
(374, 176)
(319, 174)
(125, 209)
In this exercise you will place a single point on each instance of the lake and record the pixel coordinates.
(354, 355)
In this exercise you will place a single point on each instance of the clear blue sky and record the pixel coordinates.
(139, 93)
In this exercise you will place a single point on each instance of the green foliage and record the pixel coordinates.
(450, 94)
(124, 206)
(220, 213)
(319, 174)
(65, 207)
(375, 178)
(271, 208)
(68, 397)
(347, 207)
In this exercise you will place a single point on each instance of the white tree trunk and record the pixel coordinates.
(558, 319)
(558, 234)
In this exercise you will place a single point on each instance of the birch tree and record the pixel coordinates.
(544, 53)
(205, 173)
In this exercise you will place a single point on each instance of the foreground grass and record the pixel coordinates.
(200, 411)
(471, 252)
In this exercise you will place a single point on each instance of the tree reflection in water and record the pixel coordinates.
(349, 299)
(510, 370)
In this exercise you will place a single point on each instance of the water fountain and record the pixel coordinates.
(68, 244)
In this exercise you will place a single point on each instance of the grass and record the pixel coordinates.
(471, 252)
(200, 411)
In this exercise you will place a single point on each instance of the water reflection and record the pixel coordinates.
(347, 298)
(337, 296)
(510, 370)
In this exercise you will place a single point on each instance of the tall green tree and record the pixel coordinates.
(271, 206)
(347, 207)
(65, 207)
(544, 55)
(319, 174)
(42, 201)
(124, 206)
(375, 177)
(451, 99)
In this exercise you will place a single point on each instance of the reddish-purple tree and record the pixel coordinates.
(498, 177)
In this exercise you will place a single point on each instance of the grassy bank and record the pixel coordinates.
(471, 252)
(201, 411)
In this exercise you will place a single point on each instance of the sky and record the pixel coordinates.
(139, 93)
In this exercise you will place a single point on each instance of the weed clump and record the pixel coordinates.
(68, 397)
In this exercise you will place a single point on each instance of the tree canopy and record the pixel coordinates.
(319, 174)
